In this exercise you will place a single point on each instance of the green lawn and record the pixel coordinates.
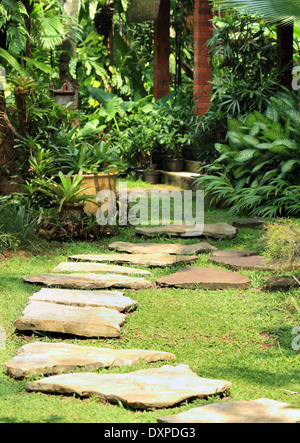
(231, 335)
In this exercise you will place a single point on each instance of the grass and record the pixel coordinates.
(231, 335)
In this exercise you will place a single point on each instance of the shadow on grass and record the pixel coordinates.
(50, 419)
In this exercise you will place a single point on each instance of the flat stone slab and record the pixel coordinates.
(148, 388)
(164, 248)
(89, 281)
(253, 223)
(204, 278)
(76, 297)
(262, 410)
(86, 322)
(234, 253)
(54, 358)
(213, 230)
(153, 260)
(97, 267)
(252, 262)
(278, 283)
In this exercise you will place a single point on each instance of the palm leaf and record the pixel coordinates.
(285, 11)
(13, 62)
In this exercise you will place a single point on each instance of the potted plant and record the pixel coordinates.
(100, 164)
(170, 140)
(66, 193)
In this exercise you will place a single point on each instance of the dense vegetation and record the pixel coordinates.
(249, 138)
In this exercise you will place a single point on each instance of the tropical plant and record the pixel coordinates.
(245, 64)
(257, 171)
(75, 155)
(18, 226)
(69, 189)
(281, 241)
(280, 11)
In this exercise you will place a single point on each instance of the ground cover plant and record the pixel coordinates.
(257, 170)
(229, 334)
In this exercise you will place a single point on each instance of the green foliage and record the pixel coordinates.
(72, 152)
(245, 70)
(68, 189)
(258, 174)
(18, 226)
(281, 241)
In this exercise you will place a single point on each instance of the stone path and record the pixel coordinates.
(97, 267)
(213, 230)
(85, 310)
(148, 388)
(253, 411)
(53, 358)
(89, 281)
(234, 253)
(75, 297)
(253, 223)
(155, 248)
(153, 260)
(273, 283)
(204, 278)
(85, 322)
(252, 262)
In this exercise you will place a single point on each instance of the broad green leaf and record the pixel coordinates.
(13, 62)
(234, 139)
(294, 116)
(263, 146)
(251, 119)
(289, 143)
(272, 113)
(100, 95)
(249, 140)
(233, 124)
(222, 149)
(273, 135)
(289, 165)
(42, 66)
(280, 149)
(244, 156)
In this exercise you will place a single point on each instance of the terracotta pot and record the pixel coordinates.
(96, 183)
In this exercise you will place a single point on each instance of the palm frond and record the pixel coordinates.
(285, 11)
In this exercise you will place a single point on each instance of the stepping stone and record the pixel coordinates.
(89, 281)
(152, 260)
(214, 230)
(279, 283)
(86, 322)
(253, 262)
(82, 298)
(97, 267)
(254, 222)
(148, 388)
(234, 253)
(204, 278)
(154, 248)
(262, 410)
(53, 358)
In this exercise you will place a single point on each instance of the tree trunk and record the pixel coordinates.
(7, 151)
(285, 46)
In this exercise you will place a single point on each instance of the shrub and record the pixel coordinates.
(282, 242)
(18, 227)
(257, 171)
